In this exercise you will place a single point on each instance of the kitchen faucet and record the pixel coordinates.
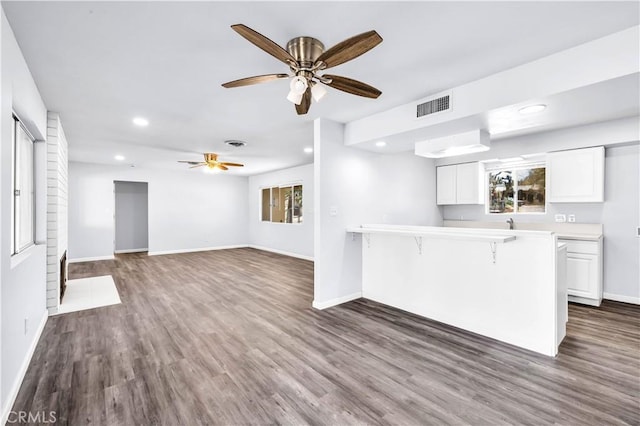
(510, 222)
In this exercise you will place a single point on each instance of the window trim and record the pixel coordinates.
(279, 186)
(513, 168)
(15, 250)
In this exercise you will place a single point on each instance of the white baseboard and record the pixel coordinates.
(90, 259)
(336, 301)
(13, 393)
(285, 253)
(621, 298)
(194, 250)
(140, 250)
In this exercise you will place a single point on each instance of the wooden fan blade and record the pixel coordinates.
(232, 164)
(254, 80)
(303, 108)
(264, 43)
(189, 162)
(221, 167)
(354, 87)
(349, 49)
(198, 165)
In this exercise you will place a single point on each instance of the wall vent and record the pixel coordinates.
(433, 106)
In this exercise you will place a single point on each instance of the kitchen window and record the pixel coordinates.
(281, 204)
(517, 190)
(23, 200)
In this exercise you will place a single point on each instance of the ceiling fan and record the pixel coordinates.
(306, 57)
(211, 161)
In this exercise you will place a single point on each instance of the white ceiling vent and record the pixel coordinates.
(439, 104)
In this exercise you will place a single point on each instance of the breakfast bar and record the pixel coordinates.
(503, 284)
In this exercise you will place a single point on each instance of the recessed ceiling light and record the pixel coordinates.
(139, 121)
(308, 150)
(119, 157)
(532, 109)
(380, 144)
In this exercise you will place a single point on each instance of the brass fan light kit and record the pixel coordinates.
(211, 161)
(306, 57)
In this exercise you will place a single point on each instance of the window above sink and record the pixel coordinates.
(516, 186)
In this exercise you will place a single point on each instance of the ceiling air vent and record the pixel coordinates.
(235, 143)
(433, 106)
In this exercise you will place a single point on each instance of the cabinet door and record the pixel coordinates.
(446, 184)
(469, 184)
(576, 176)
(582, 275)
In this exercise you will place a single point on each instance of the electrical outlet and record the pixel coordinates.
(560, 217)
(571, 218)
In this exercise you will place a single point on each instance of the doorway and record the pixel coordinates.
(131, 217)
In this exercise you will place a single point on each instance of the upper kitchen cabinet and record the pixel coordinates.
(446, 185)
(576, 176)
(460, 184)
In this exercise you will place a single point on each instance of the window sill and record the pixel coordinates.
(283, 223)
(515, 214)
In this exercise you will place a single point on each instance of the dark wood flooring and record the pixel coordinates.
(229, 337)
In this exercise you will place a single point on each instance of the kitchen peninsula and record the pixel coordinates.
(503, 284)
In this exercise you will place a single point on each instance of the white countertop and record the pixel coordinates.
(582, 237)
(435, 232)
(565, 231)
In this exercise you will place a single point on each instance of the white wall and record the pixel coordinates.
(132, 216)
(23, 277)
(292, 239)
(361, 187)
(619, 214)
(188, 210)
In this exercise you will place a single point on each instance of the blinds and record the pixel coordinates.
(23, 190)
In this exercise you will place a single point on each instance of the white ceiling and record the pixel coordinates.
(99, 64)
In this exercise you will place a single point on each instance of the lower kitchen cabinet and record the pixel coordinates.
(584, 271)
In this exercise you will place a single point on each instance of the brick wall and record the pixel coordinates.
(57, 202)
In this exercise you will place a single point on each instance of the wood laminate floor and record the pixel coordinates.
(229, 337)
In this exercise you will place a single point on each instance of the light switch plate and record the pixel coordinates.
(560, 218)
(333, 211)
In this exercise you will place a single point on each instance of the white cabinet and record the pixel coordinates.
(460, 184)
(469, 180)
(446, 184)
(584, 271)
(576, 176)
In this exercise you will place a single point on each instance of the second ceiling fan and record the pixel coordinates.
(306, 57)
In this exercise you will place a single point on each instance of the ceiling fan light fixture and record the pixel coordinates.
(318, 92)
(299, 85)
(306, 56)
(294, 97)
